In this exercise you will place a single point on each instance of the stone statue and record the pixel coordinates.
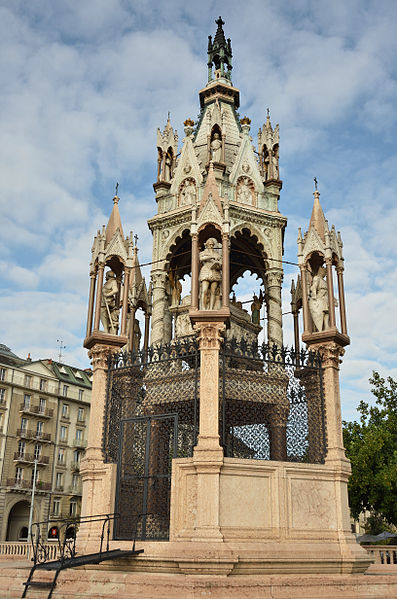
(274, 159)
(256, 308)
(176, 289)
(188, 193)
(136, 340)
(216, 148)
(210, 277)
(109, 310)
(244, 194)
(183, 325)
(318, 300)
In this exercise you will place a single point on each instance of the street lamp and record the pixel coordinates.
(32, 501)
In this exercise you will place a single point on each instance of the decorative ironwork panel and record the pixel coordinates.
(147, 445)
(162, 380)
(147, 394)
(272, 403)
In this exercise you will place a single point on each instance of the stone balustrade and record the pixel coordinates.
(383, 554)
(10, 550)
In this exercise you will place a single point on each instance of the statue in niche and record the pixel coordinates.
(216, 148)
(210, 277)
(176, 288)
(109, 310)
(244, 194)
(319, 301)
(256, 308)
(183, 325)
(136, 339)
(188, 193)
(274, 159)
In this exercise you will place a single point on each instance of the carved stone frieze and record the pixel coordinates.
(209, 334)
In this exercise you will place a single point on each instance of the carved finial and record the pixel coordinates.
(268, 112)
(315, 184)
(117, 189)
(136, 239)
(219, 22)
(169, 115)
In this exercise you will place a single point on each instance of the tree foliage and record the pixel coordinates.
(371, 445)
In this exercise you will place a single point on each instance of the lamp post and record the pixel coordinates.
(32, 501)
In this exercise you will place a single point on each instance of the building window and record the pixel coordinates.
(76, 456)
(21, 448)
(55, 507)
(24, 425)
(58, 480)
(63, 433)
(72, 508)
(75, 481)
(79, 434)
(81, 393)
(28, 380)
(43, 385)
(37, 477)
(61, 455)
(80, 415)
(18, 474)
(65, 410)
(2, 374)
(26, 401)
(2, 395)
(42, 403)
(65, 391)
(39, 428)
(37, 451)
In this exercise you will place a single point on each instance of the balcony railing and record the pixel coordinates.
(80, 443)
(30, 458)
(37, 411)
(75, 489)
(75, 466)
(27, 484)
(29, 434)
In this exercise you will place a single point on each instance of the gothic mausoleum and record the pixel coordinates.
(213, 446)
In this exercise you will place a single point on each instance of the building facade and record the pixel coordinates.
(44, 410)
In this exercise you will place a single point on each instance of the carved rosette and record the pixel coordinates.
(209, 334)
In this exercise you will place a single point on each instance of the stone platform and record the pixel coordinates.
(104, 582)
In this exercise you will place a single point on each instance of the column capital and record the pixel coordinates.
(274, 277)
(209, 334)
(158, 279)
(331, 354)
(98, 354)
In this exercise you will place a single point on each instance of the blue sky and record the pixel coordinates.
(85, 86)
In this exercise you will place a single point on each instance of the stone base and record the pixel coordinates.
(103, 582)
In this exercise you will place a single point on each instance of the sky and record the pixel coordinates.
(85, 86)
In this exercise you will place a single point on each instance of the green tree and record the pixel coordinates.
(371, 446)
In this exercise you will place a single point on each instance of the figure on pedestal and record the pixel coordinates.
(176, 289)
(318, 300)
(216, 148)
(109, 309)
(256, 308)
(210, 277)
(188, 193)
(244, 194)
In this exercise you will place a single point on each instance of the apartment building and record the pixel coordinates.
(44, 411)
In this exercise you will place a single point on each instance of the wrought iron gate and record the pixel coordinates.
(147, 446)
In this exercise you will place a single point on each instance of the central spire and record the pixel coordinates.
(219, 54)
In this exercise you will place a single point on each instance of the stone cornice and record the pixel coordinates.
(257, 215)
(174, 217)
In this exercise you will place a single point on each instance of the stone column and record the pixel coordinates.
(305, 302)
(342, 306)
(274, 279)
(195, 272)
(131, 331)
(98, 298)
(331, 300)
(91, 297)
(125, 301)
(158, 286)
(225, 270)
(208, 454)
(146, 336)
(98, 478)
